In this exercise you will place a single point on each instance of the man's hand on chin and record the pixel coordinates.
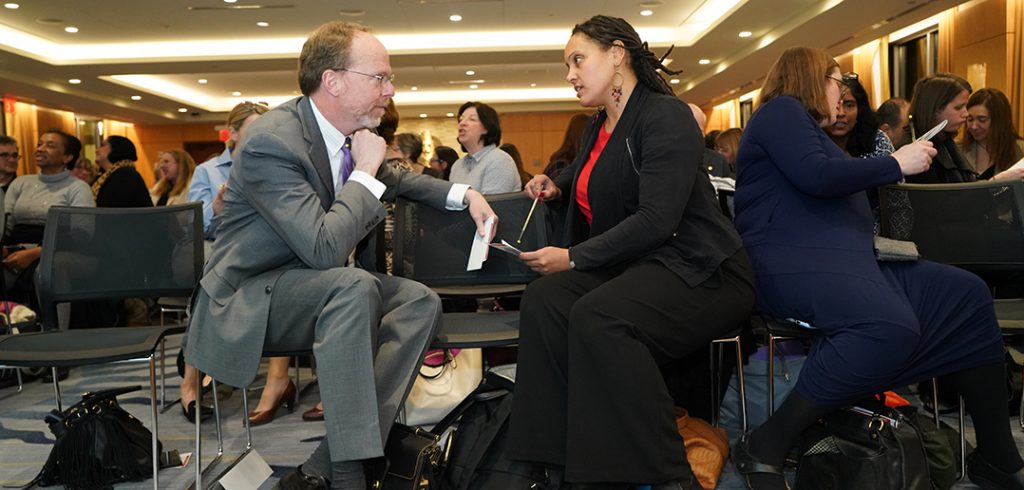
(480, 211)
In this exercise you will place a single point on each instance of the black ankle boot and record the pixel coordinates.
(985, 475)
(297, 480)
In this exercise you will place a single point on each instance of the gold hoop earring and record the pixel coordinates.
(617, 87)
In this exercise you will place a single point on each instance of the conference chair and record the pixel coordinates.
(105, 254)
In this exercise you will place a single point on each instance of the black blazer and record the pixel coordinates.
(649, 195)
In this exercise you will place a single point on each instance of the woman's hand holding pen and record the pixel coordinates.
(542, 186)
(547, 260)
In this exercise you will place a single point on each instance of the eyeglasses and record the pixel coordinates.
(381, 78)
(12, 156)
(844, 83)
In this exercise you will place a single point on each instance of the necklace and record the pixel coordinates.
(96, 186)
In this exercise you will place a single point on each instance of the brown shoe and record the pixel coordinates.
(314, 414)
(287, 399)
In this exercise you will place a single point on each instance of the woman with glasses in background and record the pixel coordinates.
(804, 218)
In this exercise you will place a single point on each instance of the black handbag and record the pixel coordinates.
(98, 444)
(410, 457)
(859, 448)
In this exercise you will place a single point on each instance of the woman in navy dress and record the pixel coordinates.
(803, 214)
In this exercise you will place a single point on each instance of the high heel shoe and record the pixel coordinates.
(189, 411)
(747, 464)
(287, 399)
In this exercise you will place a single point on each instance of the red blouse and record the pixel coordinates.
(583, 182)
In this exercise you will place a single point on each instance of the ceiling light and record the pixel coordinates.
(202, 81)
(12, 6)
(236, 93)
(674, 81)
(414, 88)
(136, 97)
(473, 85)
(450, 114)
(230, 1)
(533, 84)
(470, 72)
(71, 29)
(74, 81)
(704, 61)
(746, 33)
(646, 12)
(182, 109)
(455, 17)
(423, 115)
(262, 24)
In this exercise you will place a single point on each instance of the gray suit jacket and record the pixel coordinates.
(281, 213)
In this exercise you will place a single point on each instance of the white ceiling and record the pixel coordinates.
(514, 46)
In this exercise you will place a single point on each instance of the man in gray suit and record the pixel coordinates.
(307, 188)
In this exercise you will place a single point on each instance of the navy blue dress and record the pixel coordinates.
(804, 217)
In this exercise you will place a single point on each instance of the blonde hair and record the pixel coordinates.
(800, 73)
(241, 112)
(186, 165)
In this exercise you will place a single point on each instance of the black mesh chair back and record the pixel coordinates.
(977, 226)
(111, 253)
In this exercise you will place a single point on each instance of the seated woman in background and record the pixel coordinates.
(120, 185)
(513, 152)
(83, 169)
(855, 130)
(938, 97)
(991, 144)
(804, 218)
(27, 202)
(653, 272)
(442, 161)
(176, 167)
(409, 147)
(727, 143)
(484, 167)
(566, 154)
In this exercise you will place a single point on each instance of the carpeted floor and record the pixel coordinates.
(25, 440)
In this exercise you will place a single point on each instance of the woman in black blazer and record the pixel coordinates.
(653, 272)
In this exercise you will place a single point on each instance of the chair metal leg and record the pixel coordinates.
(198, 453)
(156, 428)
(743, 385)
(1020, 416)
(771, 374)
(935, 401)
(163, 370)
(200, 469)
(963, 444)
(21, 386)
(713, 370)
(56, 389)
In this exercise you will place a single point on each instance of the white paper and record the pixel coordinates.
(932, 132)
(1019, 164)
(478, 252)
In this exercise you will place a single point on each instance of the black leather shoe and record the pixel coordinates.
(985, 475)
(297, 480)
(688, 484)
(747, 464)
(189, 412)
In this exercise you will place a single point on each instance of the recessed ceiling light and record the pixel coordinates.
(647, 12)
(450, 114)
(455, 17)
(473, 85)
(533, 84)
(674, 81)
(470, 72)
(423, 115)
(182, 109)
(262, 24)
(230, 1)
(12, 6)
(71, 29)
(414, 88)
(202, 81)
(746, 33)
(236, 93)
(136, 97)
(704, 61)
(74, 81)
(352, 13)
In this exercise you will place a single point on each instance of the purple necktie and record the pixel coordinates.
(346, 162)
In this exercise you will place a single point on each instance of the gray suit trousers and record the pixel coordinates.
(369, 333)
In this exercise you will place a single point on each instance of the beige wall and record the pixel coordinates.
(153, 139)
(983, 37)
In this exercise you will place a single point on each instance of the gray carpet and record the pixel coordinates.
(25, 440)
